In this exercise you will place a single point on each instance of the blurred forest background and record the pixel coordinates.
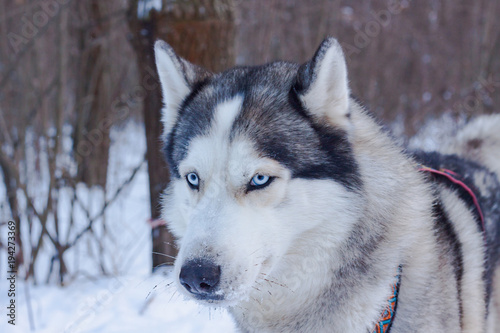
(72, 73)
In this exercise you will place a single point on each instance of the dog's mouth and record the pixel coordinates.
(209, 298)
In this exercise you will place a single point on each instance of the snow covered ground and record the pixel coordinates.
(114, 304)
(129, 299)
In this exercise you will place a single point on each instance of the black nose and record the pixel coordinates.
(201, 278)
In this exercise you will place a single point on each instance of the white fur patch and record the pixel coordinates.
(225, 114)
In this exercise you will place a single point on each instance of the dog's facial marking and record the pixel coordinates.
(224, 117)
(202, 149)
(282, 130)
(196, 117)
(273, 116)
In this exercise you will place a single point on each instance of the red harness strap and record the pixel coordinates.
(454, 178)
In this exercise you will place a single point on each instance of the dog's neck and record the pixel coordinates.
(347, 298)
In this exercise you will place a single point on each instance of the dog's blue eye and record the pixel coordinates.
(260, 180)
(193, 180)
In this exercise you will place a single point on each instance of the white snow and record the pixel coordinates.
(435, 132)
(114, 304)
(129, 298)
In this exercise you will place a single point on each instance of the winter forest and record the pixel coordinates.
(82, 244)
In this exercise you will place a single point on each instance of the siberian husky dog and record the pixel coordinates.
(297, 212)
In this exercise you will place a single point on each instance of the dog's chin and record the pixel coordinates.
(218, 303)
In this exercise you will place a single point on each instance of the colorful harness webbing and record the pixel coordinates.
(385, 321)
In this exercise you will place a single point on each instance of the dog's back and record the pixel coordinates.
(478, 141)
(473, 154)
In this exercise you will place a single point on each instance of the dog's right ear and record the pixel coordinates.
(177, 77)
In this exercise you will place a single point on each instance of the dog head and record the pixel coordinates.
(260, 158)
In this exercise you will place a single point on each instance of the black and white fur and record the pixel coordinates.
(316, 247)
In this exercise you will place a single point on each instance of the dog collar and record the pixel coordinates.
(385, 321)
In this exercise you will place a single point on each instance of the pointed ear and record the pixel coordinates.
(322, 85)
(177, 78)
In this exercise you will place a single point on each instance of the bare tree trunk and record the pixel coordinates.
(91, 138)
(200, 31)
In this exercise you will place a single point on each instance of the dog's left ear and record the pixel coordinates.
(322, 85)
(177, 77)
